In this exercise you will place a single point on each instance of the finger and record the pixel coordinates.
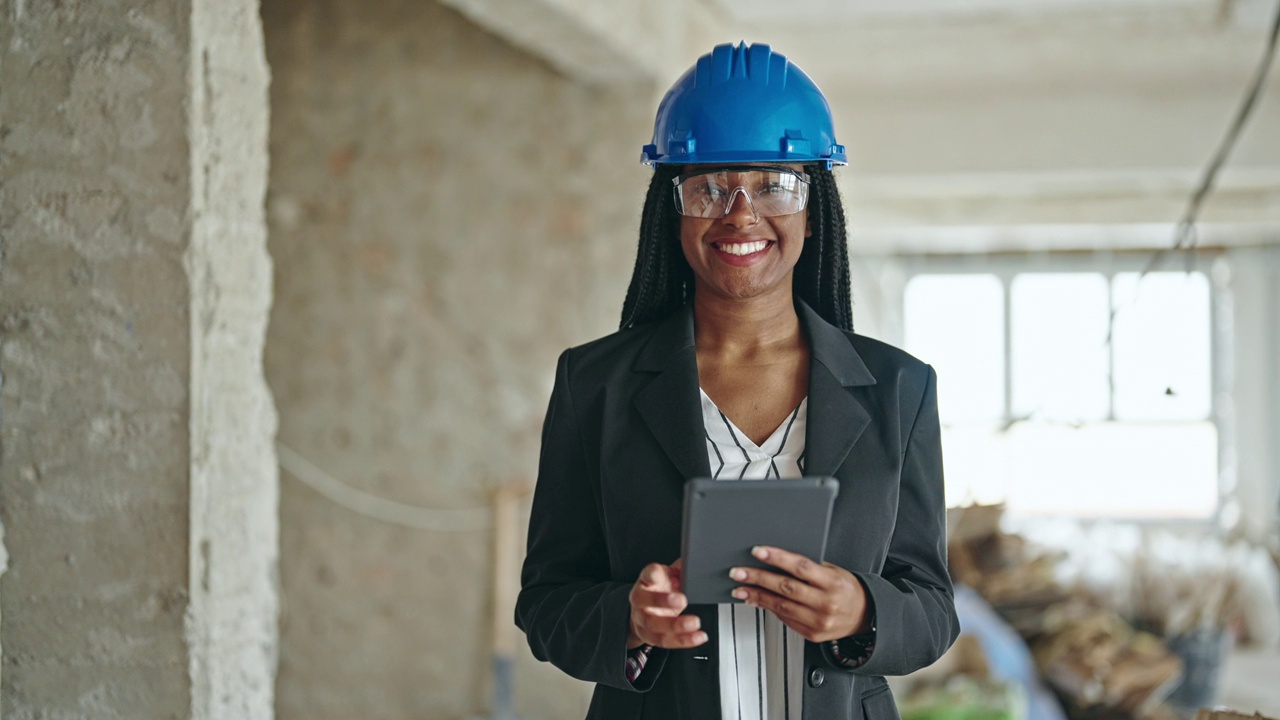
(829, 620)
(798, 565)
(805, 631)
(648, 596)
(677, 632)
(677, 575)
(656, 576)
(662, 597)
(784, 608)
(656, 604)
(655, 611)
(783, 585)
(813, 624)
(682, 641)
(665, 626)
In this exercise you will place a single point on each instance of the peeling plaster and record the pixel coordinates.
(232, 630)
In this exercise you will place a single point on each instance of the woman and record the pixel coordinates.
(736, 360)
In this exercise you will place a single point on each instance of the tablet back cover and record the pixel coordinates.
(724, 519)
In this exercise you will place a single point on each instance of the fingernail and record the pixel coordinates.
(738, 574)
(692, 624)
(740, 594)
(700, 637)
(760, 552)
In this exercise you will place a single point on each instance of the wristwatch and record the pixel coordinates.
(855, 650)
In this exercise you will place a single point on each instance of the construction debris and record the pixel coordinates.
(1097, 663)
(1206, 714)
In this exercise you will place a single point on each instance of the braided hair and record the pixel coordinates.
(663, 282)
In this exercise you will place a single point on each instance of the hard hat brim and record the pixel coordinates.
(651, 157)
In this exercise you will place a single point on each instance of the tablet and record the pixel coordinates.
(724, 519)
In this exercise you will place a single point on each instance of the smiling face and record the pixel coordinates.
(743, 255)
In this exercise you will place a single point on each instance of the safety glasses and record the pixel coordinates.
(769, 191)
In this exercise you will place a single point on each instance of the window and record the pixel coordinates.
(1072, 392)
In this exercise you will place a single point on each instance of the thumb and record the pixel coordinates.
(655, 576)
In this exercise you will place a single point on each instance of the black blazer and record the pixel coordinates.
(622, 434)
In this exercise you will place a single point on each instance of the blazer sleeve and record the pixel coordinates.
(913, 597)
(572, 613)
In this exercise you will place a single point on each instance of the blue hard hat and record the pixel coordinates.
(743, 103)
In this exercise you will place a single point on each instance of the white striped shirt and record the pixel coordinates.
(761, 660)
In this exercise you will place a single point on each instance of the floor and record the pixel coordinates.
(1251, 681)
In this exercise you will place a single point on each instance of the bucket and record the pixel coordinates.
(1203, 653)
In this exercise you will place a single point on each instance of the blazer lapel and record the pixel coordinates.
(836, 418)
(670, 404)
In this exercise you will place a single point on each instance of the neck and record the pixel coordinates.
(731, 325)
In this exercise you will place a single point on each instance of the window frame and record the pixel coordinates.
(1006, 266)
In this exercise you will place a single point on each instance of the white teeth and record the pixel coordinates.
(743, 248)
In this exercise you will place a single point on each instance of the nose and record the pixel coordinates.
(740, 212)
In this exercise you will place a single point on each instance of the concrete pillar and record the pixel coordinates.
(1252, 505)
(232, 626)
(137, 476)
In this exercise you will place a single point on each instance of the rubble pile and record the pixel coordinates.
(1096, 662)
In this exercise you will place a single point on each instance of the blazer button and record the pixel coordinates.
(816, 677)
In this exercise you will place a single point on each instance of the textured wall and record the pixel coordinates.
(446, 215)
(1254, 408)
(93, 479)
(232, 624)
(135, 295)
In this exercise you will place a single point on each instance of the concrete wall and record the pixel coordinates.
(1254, 404)
(446, 214)
(128, 353)
(96, 359)
(232, 623)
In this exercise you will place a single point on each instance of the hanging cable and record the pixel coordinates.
(380, 508)
(1185, 232)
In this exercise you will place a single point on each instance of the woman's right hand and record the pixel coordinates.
(656, 604)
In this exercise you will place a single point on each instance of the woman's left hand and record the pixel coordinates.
(819, 601)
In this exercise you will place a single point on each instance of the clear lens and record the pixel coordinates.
(769, 191)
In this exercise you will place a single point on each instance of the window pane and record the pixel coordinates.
(976, 465)
(1162, 346)
(1122, 470)
(1059, 323)
(1101, 470)
(956, 323)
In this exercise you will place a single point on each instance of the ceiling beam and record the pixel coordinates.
(602, 43)
(1241, 196)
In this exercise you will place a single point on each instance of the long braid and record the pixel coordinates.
(822, 273)
(662, 281)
